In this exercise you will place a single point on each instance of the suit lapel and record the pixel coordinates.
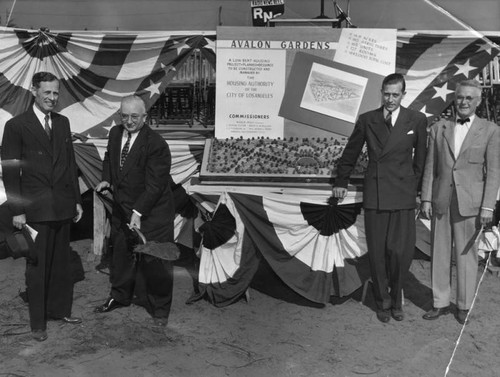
(115, 151)
(401, 128)
(379, 129)
(449, 136)
(36, 129)
(134, 151)
(58, 137)
(474, 131)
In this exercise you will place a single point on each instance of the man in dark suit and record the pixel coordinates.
(40, 178)
(459, 191)
(396, 143)
(137, 169)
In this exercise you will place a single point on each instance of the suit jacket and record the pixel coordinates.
(40, 176)
(475, 173)
(395, 160)
(143, 183)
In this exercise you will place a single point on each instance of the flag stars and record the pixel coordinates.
(464, 69)
(153, 88)
(180, 46)
(167, 68)
(484, 47)
(442, 91)
(423, 110)
(210, 44)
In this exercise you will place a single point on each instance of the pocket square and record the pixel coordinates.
(410, 132)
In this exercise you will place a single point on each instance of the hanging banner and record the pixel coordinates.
(265, 10)
(298, 81)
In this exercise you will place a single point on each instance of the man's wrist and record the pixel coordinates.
(137, 213)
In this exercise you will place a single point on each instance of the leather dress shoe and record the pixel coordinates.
(397, 314)
(72, 320)
(435, 313)
(384, 316)
(462, 315)
(39, 335)
(109, 305)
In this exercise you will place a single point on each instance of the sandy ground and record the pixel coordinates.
(262, 337)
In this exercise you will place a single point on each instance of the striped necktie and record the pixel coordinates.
(46, 126)
(388, 121)
(125, 150)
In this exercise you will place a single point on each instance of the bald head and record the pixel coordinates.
(133, 113)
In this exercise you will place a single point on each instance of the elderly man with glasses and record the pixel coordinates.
(459, 191)
(136, 168)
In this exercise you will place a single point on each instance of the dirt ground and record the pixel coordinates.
(262, 337)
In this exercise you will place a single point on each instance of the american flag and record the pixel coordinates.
(96, 70)
(434, 63)
(295, 238)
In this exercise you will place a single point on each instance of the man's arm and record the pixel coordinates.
(492, 182)
(157, 175)
(11, 153)
(420, 148)
(347, 161)
(428, 175)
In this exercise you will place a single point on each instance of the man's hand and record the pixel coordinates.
(426, 209)
(135, 221)
(101, 186)
(486, 216)
(19, 221)
(339, 193)
(79, 213)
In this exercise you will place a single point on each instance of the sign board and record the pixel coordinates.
(265, 10)
(298, 81)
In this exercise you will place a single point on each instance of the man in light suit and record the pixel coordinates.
(136, 168)
(459, 190)
(396, 142)
(40, 178)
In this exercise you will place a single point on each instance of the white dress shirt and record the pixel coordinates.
(394, 115)
(41, 117)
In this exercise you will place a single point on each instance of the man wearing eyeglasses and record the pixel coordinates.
(459, 191)
(136, 168)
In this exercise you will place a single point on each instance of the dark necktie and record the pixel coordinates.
(463, 121)
(125, 150)
(388, 121)
(47, 126)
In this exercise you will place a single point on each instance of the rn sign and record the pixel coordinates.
(265, 10)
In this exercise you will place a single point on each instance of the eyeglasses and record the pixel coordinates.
(135, 117)
(468, 98)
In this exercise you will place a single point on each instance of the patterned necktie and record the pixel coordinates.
(125, 150)
(388, 121)
(47, 127)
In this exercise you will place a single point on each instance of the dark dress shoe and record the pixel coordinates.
(39, 335)
(72, 320)
(384, 316)
(435, 313)
(462, 316)
(109, 305)
(397, 314)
